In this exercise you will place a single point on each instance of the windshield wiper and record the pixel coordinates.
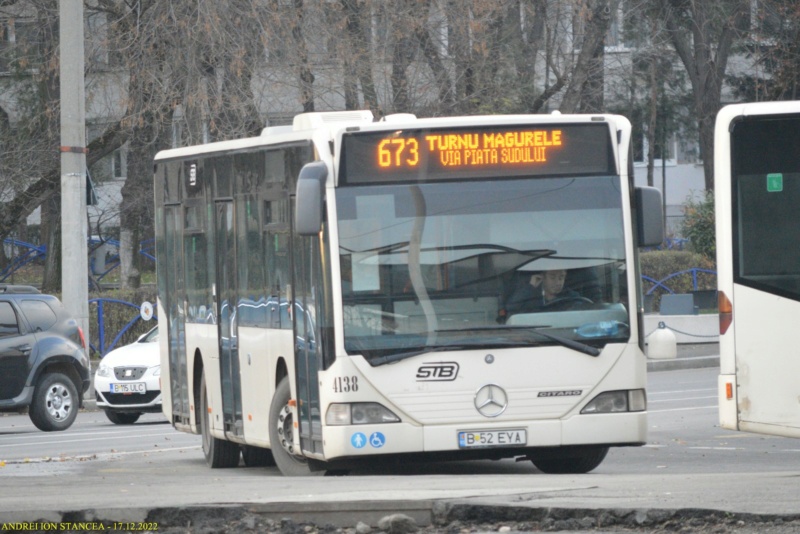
(563, 341)
(397, 356)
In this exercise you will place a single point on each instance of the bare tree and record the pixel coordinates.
(596, 18)
(200, 87)
(31, 164)
(703, 33)
(774, 43)
(357, 57)
(194, 72)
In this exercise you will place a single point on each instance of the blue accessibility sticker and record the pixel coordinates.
(358, 440)
(377, 440)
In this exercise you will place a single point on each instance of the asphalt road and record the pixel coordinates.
(97, 470)
(92, 437)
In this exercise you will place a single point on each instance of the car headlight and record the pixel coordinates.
(627, 400)
(157, 370)
(104, 370)
(359, 413)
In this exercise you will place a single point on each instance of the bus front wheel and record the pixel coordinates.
(281, 434)
(574, 463)
(218, 452)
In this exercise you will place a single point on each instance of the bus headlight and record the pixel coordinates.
(359, 413)
(632, 400)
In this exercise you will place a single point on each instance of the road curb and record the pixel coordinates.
(695, 362)
(430, 514)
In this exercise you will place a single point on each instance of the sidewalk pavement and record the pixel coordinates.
(690, 356)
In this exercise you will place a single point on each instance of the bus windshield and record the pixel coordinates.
(481, 264)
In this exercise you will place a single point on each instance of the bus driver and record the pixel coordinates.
(543, 288)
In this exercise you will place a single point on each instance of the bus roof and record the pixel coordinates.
(305, 124)
(758, 108)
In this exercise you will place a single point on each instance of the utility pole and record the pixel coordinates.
(74, 224)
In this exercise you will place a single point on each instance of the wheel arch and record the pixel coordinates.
(281, 371)
(59, 364)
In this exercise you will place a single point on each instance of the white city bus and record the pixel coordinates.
(337, 291)
(757, 202)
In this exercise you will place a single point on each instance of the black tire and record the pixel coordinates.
(257, 456)
(122, 418)
(55, 403)
(575, 464)
(281, 433)
(219, 453)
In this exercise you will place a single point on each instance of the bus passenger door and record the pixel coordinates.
(305, 307)
(176, 317)
(226, 311)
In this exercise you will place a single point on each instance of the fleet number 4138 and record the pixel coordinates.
(345, 384)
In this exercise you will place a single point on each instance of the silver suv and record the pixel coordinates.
(43, 361)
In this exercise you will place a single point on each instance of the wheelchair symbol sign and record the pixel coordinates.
(377, 440)
(358, 440)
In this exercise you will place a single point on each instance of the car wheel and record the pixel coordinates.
(281, 434)
(55, 402)
(574, 464)
(257, 456)
(219, 453)
(122, 418)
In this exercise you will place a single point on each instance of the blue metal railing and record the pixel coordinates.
(28, 252)
(104, 348)
(694, 271)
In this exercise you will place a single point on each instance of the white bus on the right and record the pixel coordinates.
(757, 205)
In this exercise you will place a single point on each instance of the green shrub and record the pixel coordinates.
(699, 227)
(660, 264)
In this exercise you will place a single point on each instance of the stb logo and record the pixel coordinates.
(437, 372)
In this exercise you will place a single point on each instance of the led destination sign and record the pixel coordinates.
(426, 155)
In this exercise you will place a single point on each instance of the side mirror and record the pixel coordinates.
(649, 216)
(310, 195)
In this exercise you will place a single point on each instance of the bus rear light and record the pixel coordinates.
(633, 400)
(725, 312)
(359, 413)
(728, 390)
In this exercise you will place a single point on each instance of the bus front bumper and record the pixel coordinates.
(623, 429)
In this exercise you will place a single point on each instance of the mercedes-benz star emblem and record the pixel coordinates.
(491, 400)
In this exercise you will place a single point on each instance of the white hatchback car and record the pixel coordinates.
(128, 381)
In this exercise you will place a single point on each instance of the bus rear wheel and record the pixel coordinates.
(281, 434)
(574, 463)
(218, 452)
